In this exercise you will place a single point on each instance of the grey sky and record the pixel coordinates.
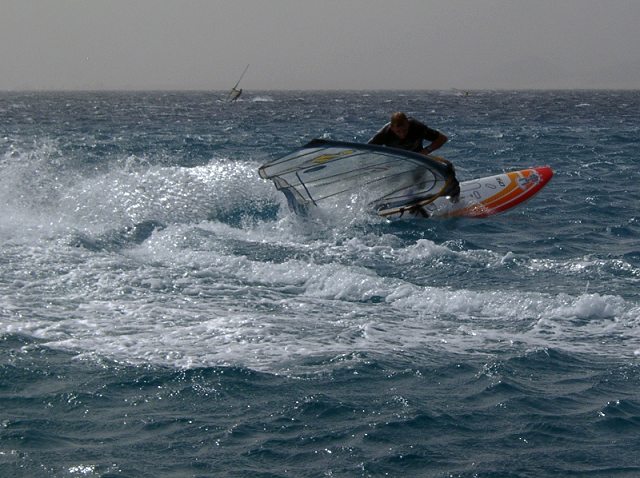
(319, 44)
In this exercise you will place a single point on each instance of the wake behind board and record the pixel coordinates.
(484, 197)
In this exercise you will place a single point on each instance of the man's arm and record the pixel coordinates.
(435, 144)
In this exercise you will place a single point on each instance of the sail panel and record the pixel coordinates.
(325, 170)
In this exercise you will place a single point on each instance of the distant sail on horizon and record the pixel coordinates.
(235, 93)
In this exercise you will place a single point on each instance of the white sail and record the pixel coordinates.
(393, 180)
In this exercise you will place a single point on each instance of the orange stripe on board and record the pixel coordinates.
(512, 191)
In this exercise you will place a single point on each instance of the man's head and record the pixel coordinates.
(399, 124)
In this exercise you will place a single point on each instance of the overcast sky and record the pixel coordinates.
(319, 44)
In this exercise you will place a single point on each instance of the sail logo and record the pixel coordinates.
(325, 158)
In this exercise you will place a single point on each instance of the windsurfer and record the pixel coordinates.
(408, 133)
(235, 93)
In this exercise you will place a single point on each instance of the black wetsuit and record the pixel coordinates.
(417, 133)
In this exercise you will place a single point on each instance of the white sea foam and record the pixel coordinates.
(166, 194)
(262, 99)
(186, 297)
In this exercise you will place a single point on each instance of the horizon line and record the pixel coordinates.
(320, 90)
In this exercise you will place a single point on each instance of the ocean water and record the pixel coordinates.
(162, 313)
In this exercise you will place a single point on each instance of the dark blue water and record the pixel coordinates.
(162, 313)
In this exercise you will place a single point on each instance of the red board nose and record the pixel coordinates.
(545, 172)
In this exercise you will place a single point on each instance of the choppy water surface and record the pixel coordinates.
(164, 314)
